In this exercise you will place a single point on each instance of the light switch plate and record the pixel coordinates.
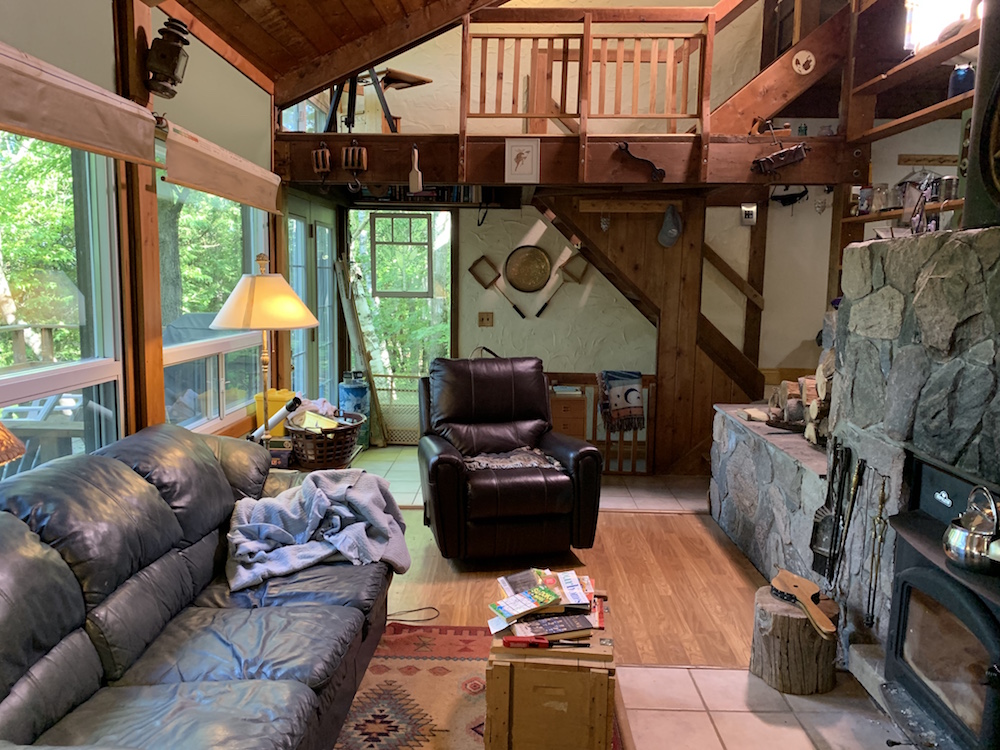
(748, 214)
(485, 320)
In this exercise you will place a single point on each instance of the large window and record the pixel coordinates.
(60, 367)
(206, 244)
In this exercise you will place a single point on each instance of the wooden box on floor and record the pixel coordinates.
(551, 699)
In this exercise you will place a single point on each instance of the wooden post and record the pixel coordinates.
(583, 99)
(705, 106)
(463, 109)
(787, 652)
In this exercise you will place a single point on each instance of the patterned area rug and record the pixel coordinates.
(425, 689)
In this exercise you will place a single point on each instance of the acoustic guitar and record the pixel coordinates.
(798, 590)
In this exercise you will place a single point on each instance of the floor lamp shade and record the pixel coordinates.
(10, 446)
(264, 302)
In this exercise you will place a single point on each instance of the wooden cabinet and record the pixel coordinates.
(569, 414)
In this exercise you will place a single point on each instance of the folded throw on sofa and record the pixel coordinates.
(349, 514)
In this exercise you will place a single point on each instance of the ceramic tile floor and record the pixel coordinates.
(661, 494)
(727, 709)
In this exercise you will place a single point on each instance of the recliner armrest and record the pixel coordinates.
(584, 463)
(569, 451)
(442, 481)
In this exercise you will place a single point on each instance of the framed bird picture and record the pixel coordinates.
(521, 160)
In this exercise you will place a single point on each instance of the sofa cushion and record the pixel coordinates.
(518, 493)
(184, 471)
(127, 621)
(246, 464)
(240, 715)
(306, 644)
(106, 522)
(489, 405)
(358, 586)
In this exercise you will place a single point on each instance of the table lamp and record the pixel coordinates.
(264, 302)
(10, 446)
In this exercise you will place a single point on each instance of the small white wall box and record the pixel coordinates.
(748, 214)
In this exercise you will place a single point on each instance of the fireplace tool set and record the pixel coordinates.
(833, 519)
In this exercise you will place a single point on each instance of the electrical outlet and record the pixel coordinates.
(485, 320)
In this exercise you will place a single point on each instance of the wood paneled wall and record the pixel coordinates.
(688, 381)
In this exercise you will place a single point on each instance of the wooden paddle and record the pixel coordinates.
(792, 588)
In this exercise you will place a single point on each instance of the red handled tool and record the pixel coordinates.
(536, 641)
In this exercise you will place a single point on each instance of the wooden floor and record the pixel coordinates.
(681, 593)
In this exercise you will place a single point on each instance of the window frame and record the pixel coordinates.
(409, 216)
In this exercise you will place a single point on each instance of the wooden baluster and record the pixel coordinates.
(654, 66)
(515, 89)
(636, 69)
(635, 450)
(621, 450)
(501, 44)
(565, 76)
(619, 65)
(463, 110)
(483, 58)
(705, 106)
(550, 61)
(537, 93)
(668, 97)
(603, 76)
(685, 80)
(583, 98)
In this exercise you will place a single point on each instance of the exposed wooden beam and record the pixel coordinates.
(736, 364)
(927, 160)
(925, 60)
(626, 205)
(778, 84)
(948, 108)
(217, 44)
(371, 49)
(755, 278)
(727, 11)
(733, 277)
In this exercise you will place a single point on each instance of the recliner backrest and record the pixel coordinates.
(489, 405)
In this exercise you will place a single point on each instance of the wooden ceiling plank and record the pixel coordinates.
(412, 6)
(311, 24)
(201, 31)
(371, 49)
(389, 10)
(600, 15)
(270, 17)
(340, 17)
(242, 32)
(365, 14)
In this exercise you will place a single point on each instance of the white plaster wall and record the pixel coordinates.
(587, 327)
(217, 102)
(75, 35)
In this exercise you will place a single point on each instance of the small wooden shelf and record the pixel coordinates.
(940, 111)
(897, 213)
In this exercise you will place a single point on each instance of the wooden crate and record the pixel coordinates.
(551, 699)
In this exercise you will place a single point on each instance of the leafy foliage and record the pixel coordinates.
(406, 333)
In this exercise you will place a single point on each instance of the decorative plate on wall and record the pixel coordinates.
(528, 268)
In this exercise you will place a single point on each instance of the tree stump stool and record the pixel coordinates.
(787, 652)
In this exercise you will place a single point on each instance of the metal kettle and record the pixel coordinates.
(970, 540)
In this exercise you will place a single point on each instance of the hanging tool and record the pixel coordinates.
(487, 275)
(859, 471)
(564, 275)
(416, 179)
(878, 542)
(798, 590)
(657, 174)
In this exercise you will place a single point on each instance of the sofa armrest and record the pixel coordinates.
(442, 481)
(584, 463)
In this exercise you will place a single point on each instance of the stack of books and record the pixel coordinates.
(539, 602)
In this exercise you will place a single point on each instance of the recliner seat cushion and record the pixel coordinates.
(306, 644)
(489, 405)
(240, 715)
(184, 471)
(517, 493)
(106, 522)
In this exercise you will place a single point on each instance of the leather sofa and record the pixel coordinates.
(475, 406)
(119, 629)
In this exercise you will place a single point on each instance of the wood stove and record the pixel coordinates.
(944, 630)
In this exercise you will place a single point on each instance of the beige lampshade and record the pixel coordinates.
(10, 446)
(264, 302)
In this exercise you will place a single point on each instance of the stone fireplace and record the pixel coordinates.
(918, 355)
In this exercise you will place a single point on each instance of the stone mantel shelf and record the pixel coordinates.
(790, 443)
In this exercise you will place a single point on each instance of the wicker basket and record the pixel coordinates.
(330, 448)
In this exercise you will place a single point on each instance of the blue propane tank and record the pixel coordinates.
(962, 79)
(355, 396)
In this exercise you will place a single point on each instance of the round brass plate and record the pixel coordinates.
(527, 268)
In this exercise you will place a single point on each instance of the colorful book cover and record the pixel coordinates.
(521, 604)
(523, 580)
(554, 627)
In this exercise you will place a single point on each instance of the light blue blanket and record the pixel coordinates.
(348, 514)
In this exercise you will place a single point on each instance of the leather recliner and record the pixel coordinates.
(474, 406)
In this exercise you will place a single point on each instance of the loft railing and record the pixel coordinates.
(596, 70)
